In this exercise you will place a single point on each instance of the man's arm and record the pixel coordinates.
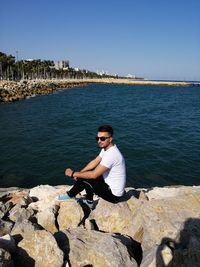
(92, 164)
(98, 171)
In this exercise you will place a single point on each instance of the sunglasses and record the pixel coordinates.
(102, 138)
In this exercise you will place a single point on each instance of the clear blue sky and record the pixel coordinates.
(157, 39)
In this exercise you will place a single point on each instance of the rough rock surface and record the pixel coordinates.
(12, 91)
(155, 227)
(93, 248)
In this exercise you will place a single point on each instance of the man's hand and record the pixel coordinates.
(68, 172)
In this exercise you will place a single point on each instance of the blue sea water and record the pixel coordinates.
(157, 128)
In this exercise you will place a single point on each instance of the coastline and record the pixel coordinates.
(11, 91)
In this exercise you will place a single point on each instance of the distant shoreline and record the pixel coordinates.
(11, 91)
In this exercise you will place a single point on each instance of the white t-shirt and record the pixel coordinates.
(115, 177)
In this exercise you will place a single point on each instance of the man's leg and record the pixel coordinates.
(79, 186)
(103, 190)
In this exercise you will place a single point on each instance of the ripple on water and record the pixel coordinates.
(156, 128)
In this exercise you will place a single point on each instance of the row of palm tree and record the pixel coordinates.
(12, 69)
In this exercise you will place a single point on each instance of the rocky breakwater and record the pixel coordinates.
(12, 91)
(149, 227)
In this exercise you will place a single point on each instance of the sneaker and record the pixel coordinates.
(89, 203)
(63, 197)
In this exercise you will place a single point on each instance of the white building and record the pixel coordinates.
(61, 64)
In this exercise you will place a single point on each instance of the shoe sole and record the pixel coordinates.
(65, 200)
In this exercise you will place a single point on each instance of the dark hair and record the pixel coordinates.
(106, 128)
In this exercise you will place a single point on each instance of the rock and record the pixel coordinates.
(23, 228)
(39, 247)
(20, 198)
(5, 258)
(46, 217)
(4, 209)
(47, 207)
(108, 217)
(184, 253)
(47, 193)
(173, 192)
(165, 217)
(92, 248)
(5, 227)
(19, 212)
(149, 221)
(70, 214)
(161, 225)
(163, 221)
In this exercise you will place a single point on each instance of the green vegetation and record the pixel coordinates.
(12, 69)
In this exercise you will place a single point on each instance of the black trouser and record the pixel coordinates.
(91, 186)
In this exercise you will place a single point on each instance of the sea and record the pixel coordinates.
(157, 129)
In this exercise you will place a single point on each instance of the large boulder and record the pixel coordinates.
(93, 248)
(121, 218)
(70, 214)
(161, 213)
(46, 193)
(39, 248)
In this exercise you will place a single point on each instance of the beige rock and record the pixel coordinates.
(173, 192)
(165, 217)
(39, 247)
(119, 218)
(166, 221)
(19, 212)
(47, 193)
(46, 217)
(70, 214)
(23, 228)
(20, 197)
(97, 249)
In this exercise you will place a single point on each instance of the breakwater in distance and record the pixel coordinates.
(11, 91)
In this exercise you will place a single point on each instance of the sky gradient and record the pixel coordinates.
(154, 39)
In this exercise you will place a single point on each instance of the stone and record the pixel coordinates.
(46, 217)
(157, 226)
(70, 214)
(23, 228)
(20, 198)
(5, 227)
(119, 218)
(4, 209)
(19, 212)
(39, 248)
(47, 193)
(93, 248)
(165, 217)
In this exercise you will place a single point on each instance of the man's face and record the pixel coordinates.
(104, 139)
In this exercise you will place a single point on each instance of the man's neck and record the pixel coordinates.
(109, 146)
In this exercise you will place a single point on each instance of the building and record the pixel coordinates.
(61, 64)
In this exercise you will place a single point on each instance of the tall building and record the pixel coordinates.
(61, 64)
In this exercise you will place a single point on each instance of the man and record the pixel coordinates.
(105, 175)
